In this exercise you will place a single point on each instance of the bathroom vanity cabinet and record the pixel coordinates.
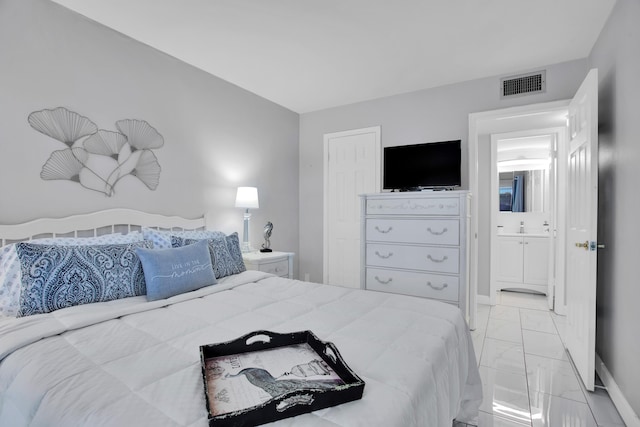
(523, 262)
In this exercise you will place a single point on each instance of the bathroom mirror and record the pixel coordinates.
(523, 190)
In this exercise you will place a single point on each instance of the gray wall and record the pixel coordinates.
(617, 57)
(430, 115)
(217, 136)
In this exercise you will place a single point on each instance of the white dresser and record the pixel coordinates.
(416, 243)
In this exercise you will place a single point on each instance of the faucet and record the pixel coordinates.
(521, 227)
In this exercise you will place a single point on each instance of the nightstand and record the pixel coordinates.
(278, 263)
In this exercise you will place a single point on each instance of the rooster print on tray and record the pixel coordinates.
(98, 159)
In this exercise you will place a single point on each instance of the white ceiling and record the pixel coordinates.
(310, 55)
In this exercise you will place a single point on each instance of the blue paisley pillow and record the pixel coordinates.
(225, 254)
(55, 277)
(233, 244)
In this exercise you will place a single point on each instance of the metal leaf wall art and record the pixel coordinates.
(98, 159)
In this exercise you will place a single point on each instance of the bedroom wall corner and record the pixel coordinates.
(217, 136)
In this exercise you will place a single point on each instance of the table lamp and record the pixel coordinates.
(247, 198)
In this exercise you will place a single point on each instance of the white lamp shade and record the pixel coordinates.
(247, 197)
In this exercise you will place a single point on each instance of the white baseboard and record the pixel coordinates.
(629, 417)
(483, 299)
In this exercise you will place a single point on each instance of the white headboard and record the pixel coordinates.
(95, 224)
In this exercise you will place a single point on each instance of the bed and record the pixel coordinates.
(131, 361)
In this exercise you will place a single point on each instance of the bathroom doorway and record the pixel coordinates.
(549, 118)
(523, 209)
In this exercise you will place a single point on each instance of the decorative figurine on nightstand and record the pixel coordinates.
(266, 246)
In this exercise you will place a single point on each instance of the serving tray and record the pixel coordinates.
(266, 376)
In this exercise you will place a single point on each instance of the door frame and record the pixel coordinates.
(483, 123)
(555, 285)
(325, 160)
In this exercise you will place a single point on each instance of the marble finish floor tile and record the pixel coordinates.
(543, 344)
(482, 315)
(554, 411)
(505, 312)
(522, 324)
(505, 395)
(537, 320)
(503, 356)
(488, 420)
(603, 408)
(548, 393)
(505, 330)
(553, 376)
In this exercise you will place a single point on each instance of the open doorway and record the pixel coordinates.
(524, 212)
(549, 118)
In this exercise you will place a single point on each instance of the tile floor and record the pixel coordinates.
(526, 374)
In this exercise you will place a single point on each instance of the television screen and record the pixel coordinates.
(430, 165)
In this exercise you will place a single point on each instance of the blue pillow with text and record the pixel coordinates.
(173, 271)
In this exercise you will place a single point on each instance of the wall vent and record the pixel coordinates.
(523, 84)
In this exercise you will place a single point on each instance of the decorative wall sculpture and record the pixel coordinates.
(96, 158)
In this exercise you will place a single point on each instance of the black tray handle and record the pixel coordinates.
(332, 352)
(255, 336)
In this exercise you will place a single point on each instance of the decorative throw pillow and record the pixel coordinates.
(177, 242)
(162, 239)
(10, 281)
(105, 239)
(233, 244)
(56, 277)
(220, 256)
(173, 271)
(11, 276)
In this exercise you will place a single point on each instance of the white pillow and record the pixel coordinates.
(11, 276)
(162, 239)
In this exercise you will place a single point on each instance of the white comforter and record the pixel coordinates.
(136, 363)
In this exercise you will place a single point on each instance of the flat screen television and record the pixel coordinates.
(418, 166)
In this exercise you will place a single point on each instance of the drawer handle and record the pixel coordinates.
(384, 256)
(384, 282)
(437, 233)
(437, 288)
(444, 258)
(384, 231)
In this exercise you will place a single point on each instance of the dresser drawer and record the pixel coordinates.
(279, 268)
(417, 206)
(426, 258)
(430, 231)
(413, 283)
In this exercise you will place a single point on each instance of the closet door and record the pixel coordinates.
(352, 167)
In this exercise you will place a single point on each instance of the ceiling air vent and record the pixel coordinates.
(523, 84)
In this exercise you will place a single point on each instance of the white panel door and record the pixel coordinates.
(582, 215)
(352, 167)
